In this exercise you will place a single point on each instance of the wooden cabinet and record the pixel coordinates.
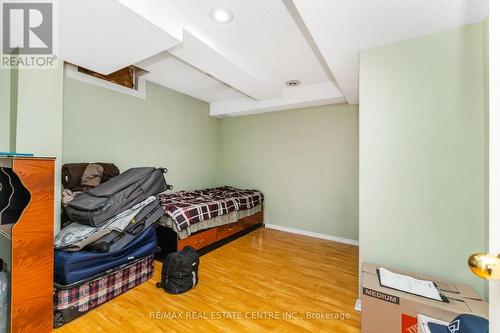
(26, 240)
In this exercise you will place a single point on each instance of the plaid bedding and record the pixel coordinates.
(75, 301)
(189, 207)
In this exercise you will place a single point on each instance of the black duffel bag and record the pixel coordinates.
(116, 196)
(180, 271)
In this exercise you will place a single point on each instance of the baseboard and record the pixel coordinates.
(312, 234)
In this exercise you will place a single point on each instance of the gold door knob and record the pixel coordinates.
(486, 266)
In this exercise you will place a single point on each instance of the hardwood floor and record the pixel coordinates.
(266, 281)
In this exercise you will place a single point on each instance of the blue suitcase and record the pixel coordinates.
(71, 267)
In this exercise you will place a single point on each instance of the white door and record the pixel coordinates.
(495, 157)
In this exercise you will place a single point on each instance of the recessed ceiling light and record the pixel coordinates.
(221, 15)
(293, 83)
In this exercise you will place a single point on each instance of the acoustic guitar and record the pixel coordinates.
(14, 197)
(6, 192)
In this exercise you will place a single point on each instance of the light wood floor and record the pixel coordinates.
(266, 281)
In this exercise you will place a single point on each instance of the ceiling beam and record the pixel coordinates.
(293, 98)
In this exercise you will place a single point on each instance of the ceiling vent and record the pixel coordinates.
(293, 83)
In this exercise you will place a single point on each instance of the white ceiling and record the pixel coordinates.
(197, 52)
(242, 67)
(263, 38)
(168, 71)
(105, 36)
(341, 28)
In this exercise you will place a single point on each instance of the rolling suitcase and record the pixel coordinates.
(76, 236)
(101, 203)
(70, 267)
(74, 300)
(117, 240)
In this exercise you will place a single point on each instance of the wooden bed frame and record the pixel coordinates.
(207, 240)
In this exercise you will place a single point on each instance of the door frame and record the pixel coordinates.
(494, 156)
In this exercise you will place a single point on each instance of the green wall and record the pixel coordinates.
(305, 161)
(309, 154)
(39, 111)
(422, 154)
(4, 110)
(8, 108)
(14, 102)
(166, 129)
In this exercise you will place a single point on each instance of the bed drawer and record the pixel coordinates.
(199, 240)
(229, 229)
(251, 220)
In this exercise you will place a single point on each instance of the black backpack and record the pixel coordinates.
(180, 271)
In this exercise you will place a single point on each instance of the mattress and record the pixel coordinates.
(187, 208)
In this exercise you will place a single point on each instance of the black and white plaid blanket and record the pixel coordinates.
(189, 207)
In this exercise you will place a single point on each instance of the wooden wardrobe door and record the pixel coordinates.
(32, 250)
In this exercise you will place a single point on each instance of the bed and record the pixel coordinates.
(206, 219)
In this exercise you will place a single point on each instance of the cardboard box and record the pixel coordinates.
(387, 310)
(423, 322)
